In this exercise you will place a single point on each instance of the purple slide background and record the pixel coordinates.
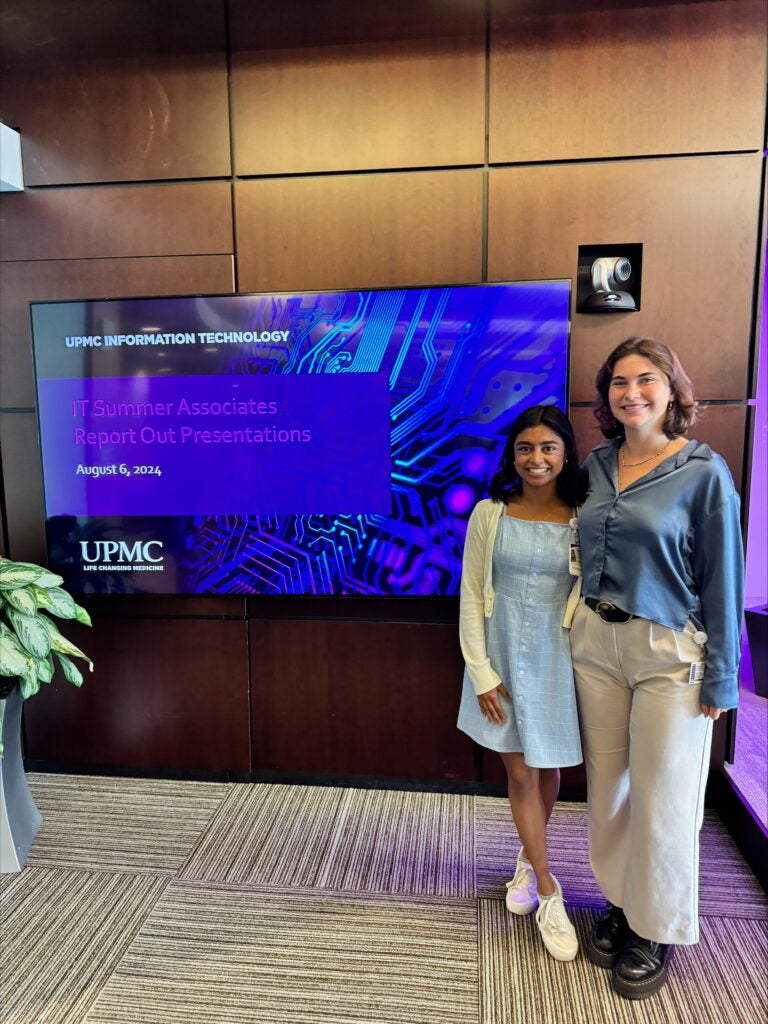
(345, 468)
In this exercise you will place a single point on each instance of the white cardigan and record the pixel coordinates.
(477, 594)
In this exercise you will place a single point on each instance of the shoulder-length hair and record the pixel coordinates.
(684, 409)
(571, 482)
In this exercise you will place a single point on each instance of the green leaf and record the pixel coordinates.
(44, 578)
(71, 672)
(82, 616)
(31, 632)
(14, 661)
(50, 625)
(56, 601)
(23, 600)
(29, 685)
(61, 645)
(45, 669)
(18, 574)
(49, 579)
(41, 595)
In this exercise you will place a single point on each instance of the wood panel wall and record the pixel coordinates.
(224, 145)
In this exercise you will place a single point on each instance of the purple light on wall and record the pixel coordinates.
(757, 537)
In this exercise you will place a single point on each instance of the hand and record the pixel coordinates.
(710, 712)
(490, 705)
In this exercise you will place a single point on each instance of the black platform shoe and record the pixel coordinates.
(608, 937)
(641, 969)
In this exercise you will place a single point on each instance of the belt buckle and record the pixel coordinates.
(610, 613)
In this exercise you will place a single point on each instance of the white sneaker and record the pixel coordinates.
(557, 932)
(521, 891)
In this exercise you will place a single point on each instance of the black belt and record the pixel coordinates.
(608, 612)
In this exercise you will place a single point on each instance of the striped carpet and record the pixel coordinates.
(359, 840)
(154, 902)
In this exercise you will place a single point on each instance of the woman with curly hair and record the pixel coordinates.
(656, 644)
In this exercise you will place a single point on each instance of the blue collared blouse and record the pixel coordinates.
(669, 548)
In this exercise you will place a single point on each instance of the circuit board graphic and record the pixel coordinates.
(461, 363)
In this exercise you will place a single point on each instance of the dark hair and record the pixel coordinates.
(684, 408)
(571, 481)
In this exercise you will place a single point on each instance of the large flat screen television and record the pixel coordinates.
(329, 443)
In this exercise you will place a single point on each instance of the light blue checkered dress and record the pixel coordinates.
(529, 648)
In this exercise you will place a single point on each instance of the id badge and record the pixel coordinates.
(574, 551)
(697, 673)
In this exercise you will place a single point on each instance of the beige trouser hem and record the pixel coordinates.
(646, 750)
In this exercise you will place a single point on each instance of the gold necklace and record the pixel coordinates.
(631, 465)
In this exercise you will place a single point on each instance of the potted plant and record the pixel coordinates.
(30, 640)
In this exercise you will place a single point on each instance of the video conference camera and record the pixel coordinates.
(608, 274)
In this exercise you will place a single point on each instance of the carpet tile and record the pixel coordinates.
(113, 824)
(386, 841)
(520, 983)
(63, 933)
(727, 886)
(365, 840)
(269, 835)
(226, 954)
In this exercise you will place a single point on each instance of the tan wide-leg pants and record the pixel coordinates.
(646, 750)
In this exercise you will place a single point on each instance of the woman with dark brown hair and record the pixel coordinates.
(518, 696)
(656, 644)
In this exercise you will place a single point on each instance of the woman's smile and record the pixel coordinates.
(639, 392)
(539, 455)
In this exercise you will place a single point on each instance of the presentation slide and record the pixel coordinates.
(315, 444)
(143, 446)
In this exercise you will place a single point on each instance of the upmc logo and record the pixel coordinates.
(113, 553)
